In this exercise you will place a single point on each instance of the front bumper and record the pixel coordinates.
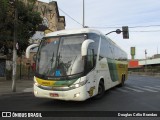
(78, 94)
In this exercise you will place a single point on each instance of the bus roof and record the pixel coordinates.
(72, 31)
(79, 31)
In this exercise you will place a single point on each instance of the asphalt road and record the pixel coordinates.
(140, 93)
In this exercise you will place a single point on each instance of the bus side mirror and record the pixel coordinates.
(84, 46)
(29, 48)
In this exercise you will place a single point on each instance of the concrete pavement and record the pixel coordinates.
(23, 85)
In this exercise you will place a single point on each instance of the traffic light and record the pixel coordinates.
(125, 32)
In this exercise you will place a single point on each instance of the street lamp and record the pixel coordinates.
(83, 15)
(145, 60)
(118, 31)
(125, 32)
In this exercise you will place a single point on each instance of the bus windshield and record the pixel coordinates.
(60, 56)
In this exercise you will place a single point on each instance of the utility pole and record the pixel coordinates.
(83, 15)
(14, 68)
(145, 60)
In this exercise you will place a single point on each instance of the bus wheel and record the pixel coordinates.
(123, 80)
(101, 90)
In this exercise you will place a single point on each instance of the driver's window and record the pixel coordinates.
(90, 59)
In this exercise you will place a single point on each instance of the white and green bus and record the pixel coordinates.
(77, 65)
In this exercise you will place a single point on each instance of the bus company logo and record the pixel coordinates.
(91, 91)
(121, 66)
(6, 114)
(46, 83)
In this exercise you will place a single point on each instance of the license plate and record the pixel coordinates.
(54, 95)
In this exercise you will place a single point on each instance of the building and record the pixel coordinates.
(146, 65)
(133, 64)
(51, 19)
(153, 61)
(50, 14)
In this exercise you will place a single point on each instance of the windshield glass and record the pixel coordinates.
(60, 56)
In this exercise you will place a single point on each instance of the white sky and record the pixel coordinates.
(118, 13)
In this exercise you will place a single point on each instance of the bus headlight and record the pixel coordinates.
(77, 85)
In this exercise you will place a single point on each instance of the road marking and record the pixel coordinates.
(145, 89)
(152, 87)
(134, 89)
(157, 86)
(122, 90)
(28, 90)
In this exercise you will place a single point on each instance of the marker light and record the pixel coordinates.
(77, 95)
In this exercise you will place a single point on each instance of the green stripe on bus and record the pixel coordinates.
(113, 69)
(64, 83)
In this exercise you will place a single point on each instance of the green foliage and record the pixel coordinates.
(27, 23)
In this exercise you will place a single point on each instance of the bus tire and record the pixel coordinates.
(122, 81)
(101, 90)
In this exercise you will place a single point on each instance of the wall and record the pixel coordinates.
(150, 61)
(50, 14)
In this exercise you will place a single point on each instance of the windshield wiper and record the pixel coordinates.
(73, 64)
(52, 60)
(47, 70)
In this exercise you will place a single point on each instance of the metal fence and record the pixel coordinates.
(25, 70)
(2, 67)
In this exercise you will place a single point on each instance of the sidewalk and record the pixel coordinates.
(21, 86)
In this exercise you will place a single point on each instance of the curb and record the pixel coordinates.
(145, 74)
(15, 93)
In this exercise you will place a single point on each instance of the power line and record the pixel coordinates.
(133, 27)
(70, 17)
(104, 27)
(109, 27)
(147, 31)
(145, 26)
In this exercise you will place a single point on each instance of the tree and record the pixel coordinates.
(27, 24)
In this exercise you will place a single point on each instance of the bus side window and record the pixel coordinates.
(90, 59)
